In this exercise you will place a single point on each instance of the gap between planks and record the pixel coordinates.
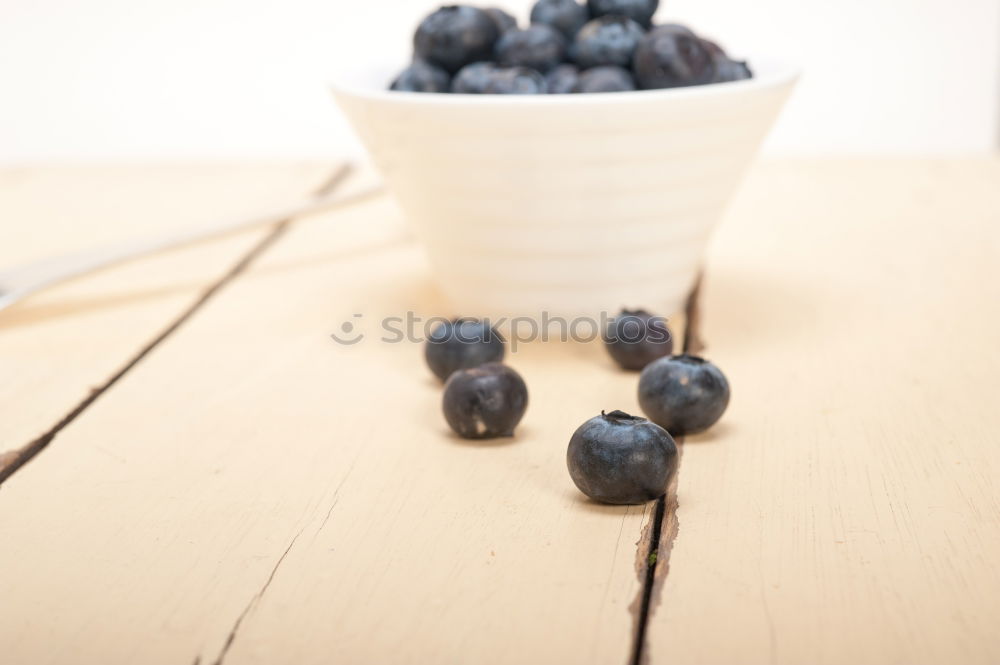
(14, 460)
(659, 536)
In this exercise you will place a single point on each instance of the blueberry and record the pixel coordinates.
(609, 40)
(605, 79)
(640, 11)
(461, 344)
(485, 402)
(503, 20)
(454, 36)
(670, 57)
(473, 79)
(515, 81)
(730, 70)
(683, 394)
(422, 77)
(636, 338)
(566, 16)
(726, 69)
(712, 47)
(618, 458)
(562, 79)
(540, 47)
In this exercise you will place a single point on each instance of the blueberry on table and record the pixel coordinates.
(485, 402)
(503, 20)
(640, 11)
(670, 57)
(621, 459)
(539, 47)
(422, 76)
(473, 79)
(455, 36)
(605, 79)
(683, 394)
(515, 81)
(461, 344)
(636, 338)
(562, 80)
(608, 40)
(566, 16)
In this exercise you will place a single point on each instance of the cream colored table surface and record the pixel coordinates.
(212, 479)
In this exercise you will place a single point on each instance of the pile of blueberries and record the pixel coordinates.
(603, 46)
(615, 457)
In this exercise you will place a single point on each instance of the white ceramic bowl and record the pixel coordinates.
(571, 204)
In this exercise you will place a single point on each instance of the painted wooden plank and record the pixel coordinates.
(59, 345)
(255, 492)
(847, 510)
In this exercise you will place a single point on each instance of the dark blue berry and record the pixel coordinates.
(461, 344)
(683, 394)
(621, 459)
(455, 36)
(473, 79)
(640, 11)
(726, 69)
(485, 402)
(566, 16)
(422, 76)
(605, 79)
(608, 40)
(503, 20)
(539, 47)
(636, 338)
(670, 57)
(515, 81)
(730, 70)
(562, 80)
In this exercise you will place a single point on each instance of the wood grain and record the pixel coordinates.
(846, 510)
(255, 492)
(64, 343)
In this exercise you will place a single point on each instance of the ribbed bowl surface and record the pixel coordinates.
(571, 204)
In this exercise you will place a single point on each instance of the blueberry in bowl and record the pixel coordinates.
(539, 47)
(485, 402)
(473, 79)
(502, 19)
(562, 80)
(683, 394)
(461, 344)
(640, 11)
(621, 459)
(455, 36)
(608, 40)
(515, 81)
(671, 56)
(607, 78)
(477, 49)
(422, 76)
(566, 16)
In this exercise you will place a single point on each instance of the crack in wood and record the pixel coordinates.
(658, 536)
(14, 460)
(257, 597)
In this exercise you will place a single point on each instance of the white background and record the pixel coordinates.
(127, 79)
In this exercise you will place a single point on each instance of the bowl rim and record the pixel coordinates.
(769, 73)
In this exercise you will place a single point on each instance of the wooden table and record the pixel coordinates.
(217, 481)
